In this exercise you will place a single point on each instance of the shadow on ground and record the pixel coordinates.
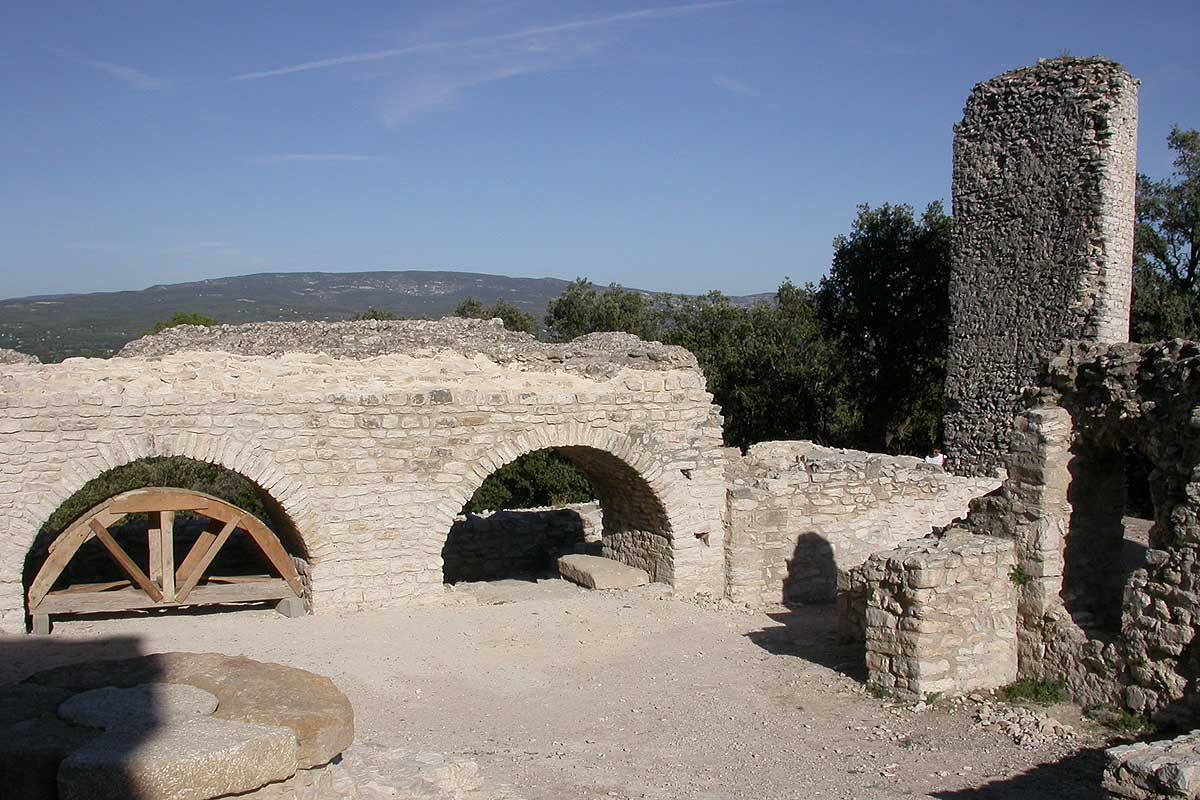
(1076, 777)
(809, 632)
(33, 740)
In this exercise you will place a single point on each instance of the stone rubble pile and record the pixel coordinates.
(1028, 728)
(14, 357)
(1168, 769)
(596, 354)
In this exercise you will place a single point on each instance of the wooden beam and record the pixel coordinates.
(197, 551)
(154, 550)
(167, 551)
(269, 544)
(124, 561)
(132, 599)
(67, 545)
(83, 588)
(189, 583)
(155, 499)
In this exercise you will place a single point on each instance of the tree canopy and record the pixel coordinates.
(885, 306)
(1166, 289)
(582, 309)
(514, 319)
(184, 318)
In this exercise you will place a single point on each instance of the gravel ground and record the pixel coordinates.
(562, 693)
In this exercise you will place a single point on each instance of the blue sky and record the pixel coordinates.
(666, 145)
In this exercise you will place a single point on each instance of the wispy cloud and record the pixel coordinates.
(442, 83)
(734, 85)
(527, 33)
(285, 158)
(133, 77)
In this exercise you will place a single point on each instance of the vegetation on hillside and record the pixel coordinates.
(513, 318)
(184, 318)
(855, 361)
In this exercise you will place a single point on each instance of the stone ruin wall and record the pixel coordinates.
(520, 542)
(800, 516)
(1113, 629)
(1043, 202)
(372, 453)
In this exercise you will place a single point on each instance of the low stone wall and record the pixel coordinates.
(799, 515)
(941, 615)
(503, 544)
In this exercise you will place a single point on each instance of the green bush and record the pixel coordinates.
(1028, 690)
(184, 473)
(541, 478)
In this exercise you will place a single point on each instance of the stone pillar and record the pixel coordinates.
(941, 616)
(1045, 172)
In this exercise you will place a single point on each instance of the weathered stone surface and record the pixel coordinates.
(1044, 182)
(597, 572)
(30, 753)
(383, 772)
(940, 615)
(149, 704)
(194, 759)
(372, 456)
(309, 705)
(528, 541)
(21, 701)
(594, 354)
(801, 516)
(8, 356)
(1162, 770)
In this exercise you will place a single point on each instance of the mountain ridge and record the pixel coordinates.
(58, 326)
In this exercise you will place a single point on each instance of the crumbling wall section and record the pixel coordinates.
(801, 515)
(1043, 193)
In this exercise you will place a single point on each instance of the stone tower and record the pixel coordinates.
(1045, 171)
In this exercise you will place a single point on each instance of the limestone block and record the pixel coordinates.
(194, 759)
(309, 705)
(148, 704)
(596, 572)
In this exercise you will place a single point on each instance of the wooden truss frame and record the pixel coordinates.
(167, 585)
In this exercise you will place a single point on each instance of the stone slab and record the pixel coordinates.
(247, 691)
(195, 759)
(148, 704)
(596, 572)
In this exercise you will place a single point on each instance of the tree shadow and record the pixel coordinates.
(808, 624)
(35, 739)
(518, 544)
(1078, 776)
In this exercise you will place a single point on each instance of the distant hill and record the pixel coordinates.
(54, 327)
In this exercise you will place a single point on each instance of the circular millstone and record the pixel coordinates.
(148, 704)
(195, 759)
(248, 691)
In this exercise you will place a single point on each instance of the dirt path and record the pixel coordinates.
(563, 693)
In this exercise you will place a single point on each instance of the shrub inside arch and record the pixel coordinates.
(262, 541)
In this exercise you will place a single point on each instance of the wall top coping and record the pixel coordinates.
(801, 459)
(593, 354)
(306, 377)
(15, 357)
(1067, 76)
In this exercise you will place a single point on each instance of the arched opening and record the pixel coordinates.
(164, 532)
(1112, 514)
(587, 501)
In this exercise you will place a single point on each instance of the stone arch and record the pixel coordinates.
(284, 496)
(634, 492)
